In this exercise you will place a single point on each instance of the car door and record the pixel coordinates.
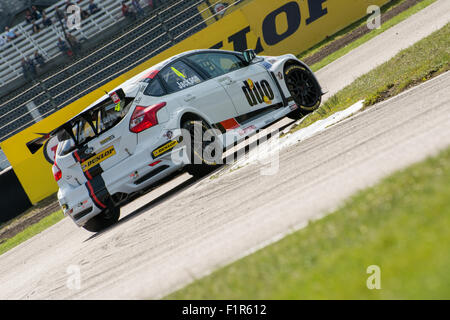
(191, 89)
(250, 87)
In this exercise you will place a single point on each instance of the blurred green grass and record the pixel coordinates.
(31, 231)
(401, 224)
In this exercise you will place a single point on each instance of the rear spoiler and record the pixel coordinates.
(36, 144)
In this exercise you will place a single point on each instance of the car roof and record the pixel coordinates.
(131, 86)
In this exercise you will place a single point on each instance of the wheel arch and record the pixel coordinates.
(297, 62)
(191, 115)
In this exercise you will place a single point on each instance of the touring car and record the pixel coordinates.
(126, 141)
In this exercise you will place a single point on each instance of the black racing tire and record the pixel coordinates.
(304, 89)
(198, 166)
(103, 220)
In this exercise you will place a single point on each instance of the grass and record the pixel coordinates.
(418, 63)
(400, 225)
(31, 231)
(385, 26)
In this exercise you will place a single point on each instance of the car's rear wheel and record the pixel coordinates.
(201, 160)
(103, 220)
(304, 89)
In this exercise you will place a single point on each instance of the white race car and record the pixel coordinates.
(126, 141)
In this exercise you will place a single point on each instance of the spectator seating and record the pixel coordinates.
(46, 40)
(3, 161)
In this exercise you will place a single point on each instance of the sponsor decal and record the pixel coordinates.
(185, 82)
(188, 82)
(107, 139)
(115, 98)
(165, 148)
(168, 134)
(250, 84)
(134, 175)
(102, 156)
(49, 149)
(266, 65)
(178, 73)
(95, 184)
(247, 130)
(82, 205)
(258, 92)
(294, 107)
(138, 99)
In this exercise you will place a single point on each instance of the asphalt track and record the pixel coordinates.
(188, 228)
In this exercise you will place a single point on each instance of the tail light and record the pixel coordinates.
(145, 117)
(56, 172)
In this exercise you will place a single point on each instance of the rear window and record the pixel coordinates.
(93, 123)
(154, 89)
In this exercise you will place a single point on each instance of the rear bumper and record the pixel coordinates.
(77, 204)
(135, 173)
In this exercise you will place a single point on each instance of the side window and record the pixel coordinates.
(217, 64)
(179, 76)
(154, 89)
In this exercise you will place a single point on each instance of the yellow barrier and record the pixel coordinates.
(219, 8)
(272, 27)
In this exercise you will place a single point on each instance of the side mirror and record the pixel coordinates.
(249, 55)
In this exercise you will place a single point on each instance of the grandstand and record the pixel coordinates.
(3, 161)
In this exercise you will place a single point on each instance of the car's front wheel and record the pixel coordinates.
(304, 89)
(103, 220)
